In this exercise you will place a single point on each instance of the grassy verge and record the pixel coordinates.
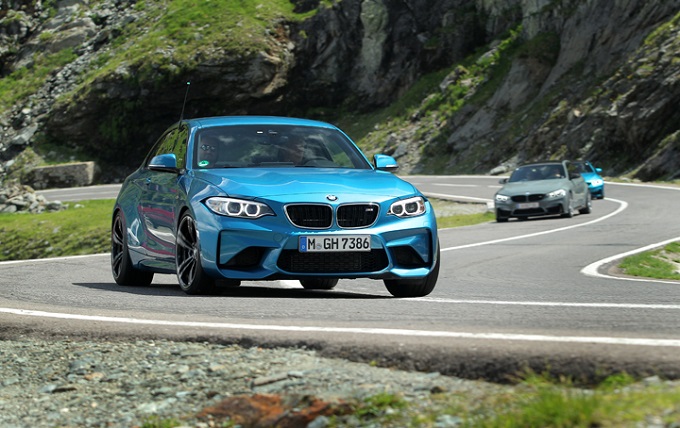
(81, 229)
(663, 263)
(535, 401)
(84, 229)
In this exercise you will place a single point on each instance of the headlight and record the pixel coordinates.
(238, 207)
(596, 182)
(557, 194)
(502, 198)
(408, 207)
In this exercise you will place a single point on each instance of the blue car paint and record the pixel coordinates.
(153, 202)
(593, 179)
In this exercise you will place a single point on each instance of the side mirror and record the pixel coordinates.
(598, 170)
(574, 175)
(385, 163)
(502, 181)
(164, 163)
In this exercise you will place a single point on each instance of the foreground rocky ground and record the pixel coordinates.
(79, 383)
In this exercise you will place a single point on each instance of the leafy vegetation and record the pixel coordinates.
(175, 35)
(27, 80)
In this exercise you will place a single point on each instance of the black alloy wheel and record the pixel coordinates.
(121, 265)
(190, 274)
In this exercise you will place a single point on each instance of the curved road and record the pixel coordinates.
(523, 294)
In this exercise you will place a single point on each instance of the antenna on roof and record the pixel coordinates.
(181, 116)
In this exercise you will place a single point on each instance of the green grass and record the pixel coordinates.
(81, 229)
(537, 401)
(84, 228)
(26, 81)
(663, 263)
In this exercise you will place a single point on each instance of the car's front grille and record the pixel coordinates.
(359, 215)
(310, 216)
(528, 198)
(332, 262)
(318, 216)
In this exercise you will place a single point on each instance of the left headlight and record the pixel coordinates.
(238, 207)
(408, 207)
(557, 194)
(597, 182)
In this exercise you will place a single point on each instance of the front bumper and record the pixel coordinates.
(267, 249)
(596, 192)
(543, 207)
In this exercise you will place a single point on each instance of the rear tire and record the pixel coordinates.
(124, 273)
(190, 274)
(319, 283)
(414, 287)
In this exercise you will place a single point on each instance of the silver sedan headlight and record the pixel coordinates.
(238, 207)
(408, 207)
(557, 194)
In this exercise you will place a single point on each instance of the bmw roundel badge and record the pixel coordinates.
(331, 198)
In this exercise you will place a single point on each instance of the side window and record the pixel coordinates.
(571, 169)
(174, 141)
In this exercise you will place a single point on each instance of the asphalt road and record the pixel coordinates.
(524, 294)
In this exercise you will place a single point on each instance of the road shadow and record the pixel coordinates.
(243, 291)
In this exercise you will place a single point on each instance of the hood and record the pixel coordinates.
(590, 176)
(285, 183)
(538, 186)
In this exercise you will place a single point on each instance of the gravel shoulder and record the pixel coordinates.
(119, 383)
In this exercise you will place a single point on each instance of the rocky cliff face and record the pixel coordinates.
(569, 78)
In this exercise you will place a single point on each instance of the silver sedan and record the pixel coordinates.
(542, 189)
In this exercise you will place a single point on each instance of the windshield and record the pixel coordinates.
(582, 167)
(537, 172)
(252, 146)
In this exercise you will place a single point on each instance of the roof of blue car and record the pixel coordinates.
(254, 120)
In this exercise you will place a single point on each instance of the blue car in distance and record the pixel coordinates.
(593, 178)
(255, 198)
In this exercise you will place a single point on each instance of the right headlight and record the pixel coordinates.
(557, 194)
(408, 207)
(238, 207)
(502, 198)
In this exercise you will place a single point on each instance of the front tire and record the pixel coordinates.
(414, 287)
(319, 283)
(190, 274)
(589, 205)
(124, 273)
(569, 213)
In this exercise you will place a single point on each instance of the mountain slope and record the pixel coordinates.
(446, 86)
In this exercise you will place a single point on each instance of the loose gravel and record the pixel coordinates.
(104, 383)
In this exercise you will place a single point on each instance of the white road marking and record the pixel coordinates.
(622, 206)
(593, 268)
(368, 331)
(548, 304)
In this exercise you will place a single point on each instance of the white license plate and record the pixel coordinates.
(321, 243)
(527, 205)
